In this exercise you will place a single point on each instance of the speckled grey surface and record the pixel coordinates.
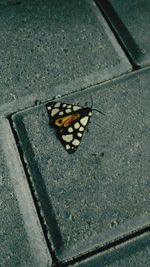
(100, 192)
(132, 25)
(21, 239)
(51, 48)
(135, 253)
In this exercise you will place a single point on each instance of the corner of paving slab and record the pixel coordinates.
(75, 189)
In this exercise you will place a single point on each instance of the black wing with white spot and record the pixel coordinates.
(71, 136)
(58, 110)
(70, 120)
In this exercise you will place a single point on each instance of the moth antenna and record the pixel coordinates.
(92, 103)
(99, 111)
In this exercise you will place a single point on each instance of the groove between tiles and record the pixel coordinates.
(42, 222)
(110, 15)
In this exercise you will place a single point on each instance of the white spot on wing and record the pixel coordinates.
(64, 105)
(70, 129)
(75, 142)
(68, 110)
(76, 125)
(49, 108)
(57, 105)
(76, 108)
(61, 113)
(81, 129)
(69, 106)
(68, 137)
(67, 146)
(54, 111)
(84, 120)
(79, 134)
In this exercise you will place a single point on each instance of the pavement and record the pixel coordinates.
(90, 208)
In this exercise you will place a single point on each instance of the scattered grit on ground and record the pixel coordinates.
(89, 208)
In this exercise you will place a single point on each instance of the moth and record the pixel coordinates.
(70, 122)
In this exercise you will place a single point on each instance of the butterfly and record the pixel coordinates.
(70, 122)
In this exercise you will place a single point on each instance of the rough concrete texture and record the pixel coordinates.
(131, 22)
(51, 48)
(21, 242)
(101, 192)
(135, 253)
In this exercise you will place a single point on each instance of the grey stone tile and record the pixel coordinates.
(51, 48)
(131, 21)
(135, 253)
(22, 242)
(101, 192)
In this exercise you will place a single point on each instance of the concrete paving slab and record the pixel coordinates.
(131, 22)
(135, 253)
(22, 242)
(51, 48)
(101, 192)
